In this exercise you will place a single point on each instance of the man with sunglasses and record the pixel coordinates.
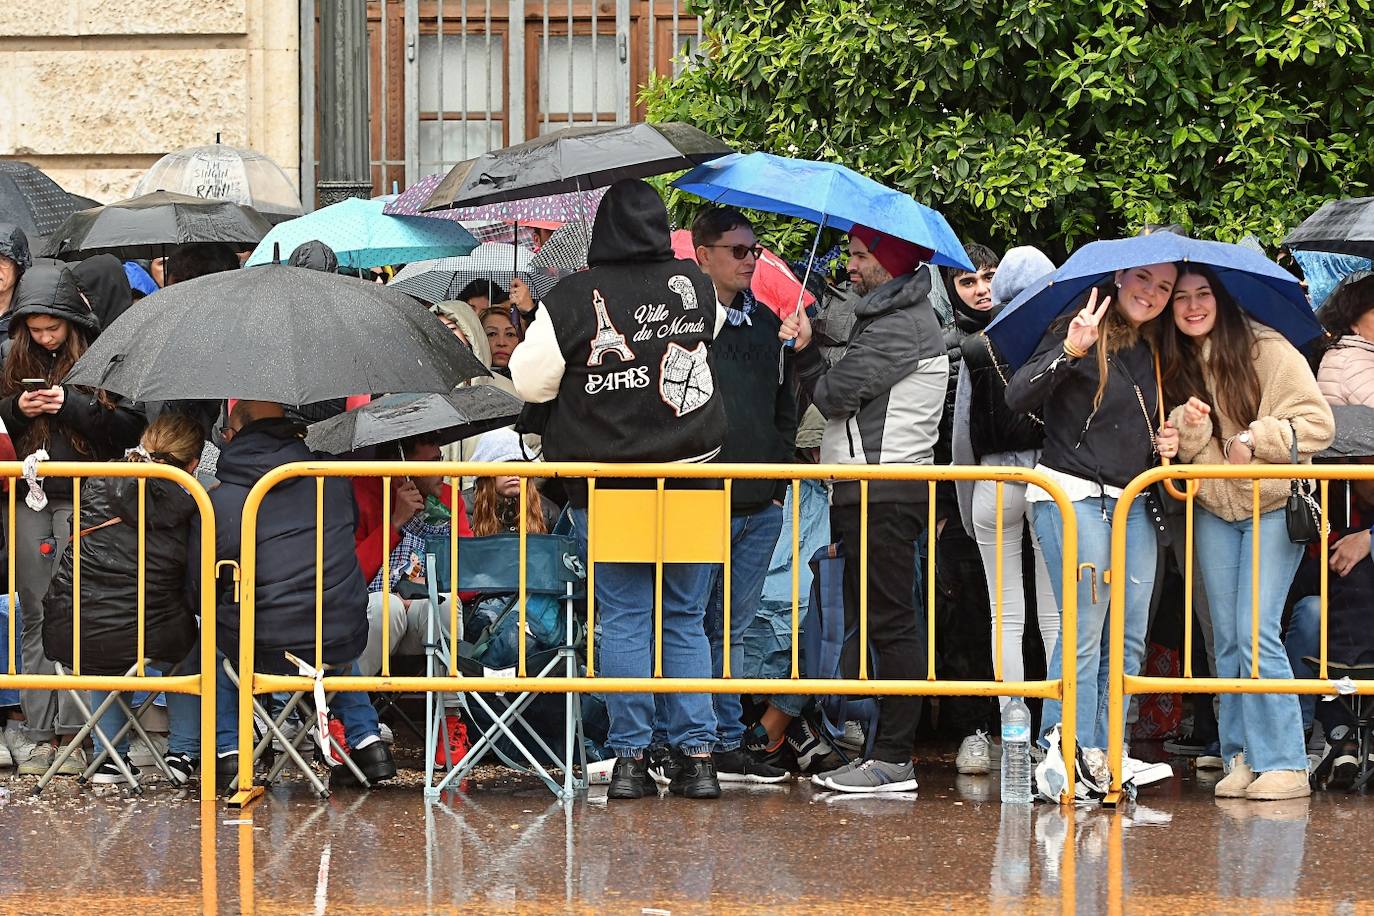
(754, 374)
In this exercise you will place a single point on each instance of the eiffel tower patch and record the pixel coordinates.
(608, 339)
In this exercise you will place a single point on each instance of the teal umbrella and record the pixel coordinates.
(362, 236)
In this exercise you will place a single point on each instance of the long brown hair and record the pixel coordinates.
(1230, 365)
(27, 359)
(493, 513)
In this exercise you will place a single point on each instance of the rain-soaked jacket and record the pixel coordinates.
(15, 246)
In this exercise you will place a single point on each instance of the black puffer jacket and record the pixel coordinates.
(1108, 445)
(993, 426)
(109, 579)
(285, 592)
(85, 429)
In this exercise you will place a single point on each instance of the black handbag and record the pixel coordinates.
(1301, 512)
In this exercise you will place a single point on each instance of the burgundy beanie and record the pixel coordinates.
(898, 256)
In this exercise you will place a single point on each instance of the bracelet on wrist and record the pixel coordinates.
(1074, 352)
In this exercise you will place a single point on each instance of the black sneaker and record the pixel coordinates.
(741, 765)
(226, 773)
(107, 774)
(627, 778)
(374, 760)
(663, 764)
(696, 778)
(814, 753)
(181, 766)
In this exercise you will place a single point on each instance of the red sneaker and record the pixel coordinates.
(336, 731)
(456, 733)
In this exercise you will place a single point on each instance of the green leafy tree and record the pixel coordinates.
(1051, 121)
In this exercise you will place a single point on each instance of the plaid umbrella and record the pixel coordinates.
(566, 250)
(1340, 226)
(443, 279)
(524, 236)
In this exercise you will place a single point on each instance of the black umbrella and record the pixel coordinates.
(448, 417)
(575, 159)
(32, 200)
(275, 333)
(146, 226)
(1341, 226)
(1354, 433)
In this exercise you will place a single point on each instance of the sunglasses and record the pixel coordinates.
(739, 251)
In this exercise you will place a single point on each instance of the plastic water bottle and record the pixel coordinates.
(1016, 762)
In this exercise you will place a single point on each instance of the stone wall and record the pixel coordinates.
(95, 91)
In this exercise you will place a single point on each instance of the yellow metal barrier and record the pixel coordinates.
(1121, 685)
(658, 526)
(202, 684)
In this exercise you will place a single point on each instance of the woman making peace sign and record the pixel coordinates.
(1092, 379)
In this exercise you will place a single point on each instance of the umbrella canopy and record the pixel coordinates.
(1340, 226)
(276, 333)
(825, 193)
(363, 236)
(146, 226)
(574, 159)
(1354, 433)
(443, 279)
(565, 251)
(448, 417)
(548, 212)
(221, 172)
(32, 200)
(1266, 291)
(773, 283)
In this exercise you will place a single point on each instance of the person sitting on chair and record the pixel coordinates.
(260, 438)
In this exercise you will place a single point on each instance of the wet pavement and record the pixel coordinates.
(506, 846)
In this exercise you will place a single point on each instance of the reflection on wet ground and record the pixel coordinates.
(764, 849)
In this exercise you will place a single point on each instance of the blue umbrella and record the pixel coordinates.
(1266, 291)
(827, 194)
(363, 236)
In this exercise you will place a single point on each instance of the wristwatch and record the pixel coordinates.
(1247, 440)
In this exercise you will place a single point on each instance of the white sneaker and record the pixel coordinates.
(17, 747)
(142, 755)
(6, 758)
(1142, 773)
(977, 755)
(39, 758)
(384, 732)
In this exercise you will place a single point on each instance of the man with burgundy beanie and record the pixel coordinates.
(882, 400)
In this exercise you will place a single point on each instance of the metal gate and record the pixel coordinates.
(452, 79)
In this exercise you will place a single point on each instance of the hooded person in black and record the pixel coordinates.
(14, 260)
(51, 326)
(105, 285)
(622, 352)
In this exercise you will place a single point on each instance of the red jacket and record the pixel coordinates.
(367, 537)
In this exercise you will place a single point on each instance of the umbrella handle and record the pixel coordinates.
(801, 293)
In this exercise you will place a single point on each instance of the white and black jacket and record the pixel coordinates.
(884, 397)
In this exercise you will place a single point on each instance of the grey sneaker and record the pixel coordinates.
(819, 779)
(977, 755)
(39, 759)
(141, 754)
(875, 776)
(74, 765)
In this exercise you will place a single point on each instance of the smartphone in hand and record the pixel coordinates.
(35, 384)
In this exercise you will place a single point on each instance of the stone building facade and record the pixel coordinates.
(95, 91)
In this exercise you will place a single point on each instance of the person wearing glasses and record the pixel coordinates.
(756, 378)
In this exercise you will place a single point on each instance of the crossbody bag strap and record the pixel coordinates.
(85, 531)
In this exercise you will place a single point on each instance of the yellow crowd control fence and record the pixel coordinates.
(1123, 686)
(201, 684)
(655, 524)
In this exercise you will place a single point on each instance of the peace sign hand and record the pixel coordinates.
(1083, 329)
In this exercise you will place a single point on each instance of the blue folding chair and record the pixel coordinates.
(555, 579)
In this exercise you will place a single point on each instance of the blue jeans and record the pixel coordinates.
(1304, 639)
(752, 539)
(353, 710)
(1093, 639)
(1267, 727)
(9, 697)
(183, 721)
(625, 615)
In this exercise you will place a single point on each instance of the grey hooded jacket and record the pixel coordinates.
(884, 397)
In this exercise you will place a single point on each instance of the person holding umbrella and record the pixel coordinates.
(1092, 382)
(882, 401)
(1242, 394)
(51, 327)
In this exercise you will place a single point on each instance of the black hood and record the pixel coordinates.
(898, 293)
(631, 225)
(106, 286)
(314, 255)
(50, 289)
(259, 447)
(14, 244)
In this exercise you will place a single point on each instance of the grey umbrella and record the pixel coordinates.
(447, 418)
(1354, 433)
(275, 333)
(32, 200)
(146, 226)
(1339, 226)
(575, 159)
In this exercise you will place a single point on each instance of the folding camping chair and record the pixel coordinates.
(105, 743)
(1361, 710)
(491, 565)
(271, 727)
